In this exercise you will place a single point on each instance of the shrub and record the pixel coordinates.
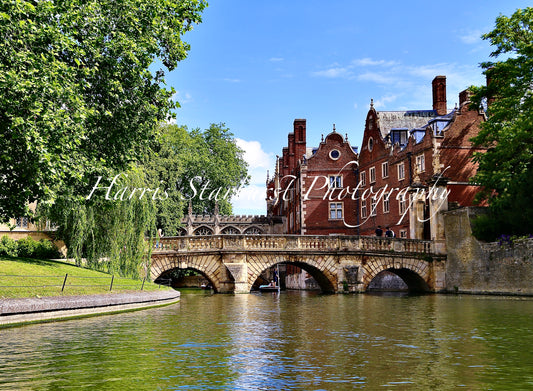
(8, 246)
(26, 247)
(46, 249)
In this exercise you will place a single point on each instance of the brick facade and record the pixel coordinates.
(332, 189)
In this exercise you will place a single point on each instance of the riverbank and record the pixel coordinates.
(46, 309)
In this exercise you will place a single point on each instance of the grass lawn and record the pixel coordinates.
(25, 277)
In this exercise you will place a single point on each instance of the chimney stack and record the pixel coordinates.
(439, 95)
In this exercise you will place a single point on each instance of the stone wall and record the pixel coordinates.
(476, 267)
(301, 281)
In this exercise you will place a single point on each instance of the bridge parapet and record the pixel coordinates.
(293, 242)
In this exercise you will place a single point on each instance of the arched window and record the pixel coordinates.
(230, 231)
(253, 231)
(203, 231)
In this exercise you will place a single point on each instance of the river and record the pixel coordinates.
(292, 341)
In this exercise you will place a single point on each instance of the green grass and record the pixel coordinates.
(39, 277)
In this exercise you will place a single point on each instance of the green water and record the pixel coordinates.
(294, 341)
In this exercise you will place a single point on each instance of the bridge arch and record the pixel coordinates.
(208, 265)
(321, 267)
(414, 272)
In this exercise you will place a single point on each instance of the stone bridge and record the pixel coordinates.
(232, 263)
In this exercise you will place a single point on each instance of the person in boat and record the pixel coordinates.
(272, 283)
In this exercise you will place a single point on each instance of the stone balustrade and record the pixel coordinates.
(292, 242)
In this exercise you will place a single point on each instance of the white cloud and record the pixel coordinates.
(370, 62)
(251, 199)
(333, 72)
(379, 78)
(254, 154)
(181, 97)
(230, 80)
(471, 37)
(355, 106)
(276, 59)
(382, 102)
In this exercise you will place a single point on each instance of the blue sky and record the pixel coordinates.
(258, 65)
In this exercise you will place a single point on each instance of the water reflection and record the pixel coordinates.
(288, 341)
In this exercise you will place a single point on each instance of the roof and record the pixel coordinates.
(410, 119)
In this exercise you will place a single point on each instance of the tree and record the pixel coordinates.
(77, 97)
(506, 168)
(203, 167)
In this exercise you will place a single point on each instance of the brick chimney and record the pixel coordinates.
(439, 95)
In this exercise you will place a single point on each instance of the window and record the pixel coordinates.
(334, 154)
(386, 205)
(401, 172)
(363, 209)
(335, 210)
(373, 206)
(403, 234)
(363, 178)
(203, 231)
(335, 182)
(403, 205)
(385, 170)
(420, 163)
(22, 222)
(372, 174)
(370, 144)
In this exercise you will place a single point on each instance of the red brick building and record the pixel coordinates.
(404, 153)
(412, 164)
(312, 185)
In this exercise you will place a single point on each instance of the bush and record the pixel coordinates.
(8, 246)
(30, 248)
(47, 250)
(26, 247)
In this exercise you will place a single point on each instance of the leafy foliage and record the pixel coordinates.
(506, 169)
(186, 162)
(77, 95)
(28, 248)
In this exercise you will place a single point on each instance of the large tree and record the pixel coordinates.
(506, 169)
(80, 92)
(196, 167)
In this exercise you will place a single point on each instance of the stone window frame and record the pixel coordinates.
(420, 163)
(385, 169)
(386, 205)
(373, 206)
(372, 175)
(402, 205)
(331, 154)
(363, 209)
(403, 234)
(22, 222)
(335, 180)
(401, 171)
(334, 207)
(362, 178)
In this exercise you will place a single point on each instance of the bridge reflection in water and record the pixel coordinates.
(232, 263)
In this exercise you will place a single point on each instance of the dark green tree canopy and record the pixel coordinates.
(76, 93)
(202, 167)
(506, 169)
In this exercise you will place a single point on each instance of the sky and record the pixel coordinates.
(257, 65)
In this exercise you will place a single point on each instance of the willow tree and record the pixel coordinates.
(506, 169)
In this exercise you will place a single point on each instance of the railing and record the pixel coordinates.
(65, 282)
(292, 243)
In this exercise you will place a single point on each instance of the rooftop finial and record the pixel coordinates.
(322, 137)
(334, 128)
(371, 103)
(346, 137)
